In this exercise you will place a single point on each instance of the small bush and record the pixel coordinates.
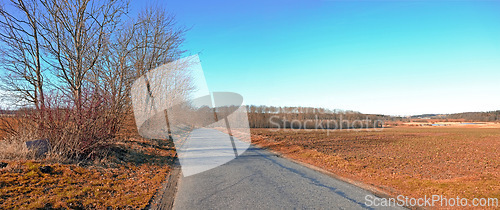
(74, 132)
(13, 147)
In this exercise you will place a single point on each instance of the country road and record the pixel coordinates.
(258, 179)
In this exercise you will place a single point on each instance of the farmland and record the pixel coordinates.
(414, 161)
(410, 161)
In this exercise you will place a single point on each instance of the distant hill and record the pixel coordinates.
(490, 116)
(424, 116)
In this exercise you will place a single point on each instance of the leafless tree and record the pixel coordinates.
(21, 52)
(156, 41)
(113, 74)
(94, 55)
(138, 46)
(76, 35)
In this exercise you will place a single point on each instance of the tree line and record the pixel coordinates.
(490, 116)
(312, 118)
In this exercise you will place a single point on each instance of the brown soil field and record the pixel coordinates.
(410, 161)
(455, 124)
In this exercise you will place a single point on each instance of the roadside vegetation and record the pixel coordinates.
(127, 176)
(68, 66)
(66, 70)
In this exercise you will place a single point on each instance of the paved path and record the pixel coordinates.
(258, 179)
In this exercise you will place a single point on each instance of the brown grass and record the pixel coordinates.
(413, 161)
(127, 176)
(5, 123)
(24, 186)
(12, 146)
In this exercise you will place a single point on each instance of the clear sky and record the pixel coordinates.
(387, 57)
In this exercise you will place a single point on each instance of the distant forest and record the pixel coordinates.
(313, 118)
(490, 116)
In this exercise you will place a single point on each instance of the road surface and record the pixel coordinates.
(258, 179)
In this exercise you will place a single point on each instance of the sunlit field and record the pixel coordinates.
(410, 161)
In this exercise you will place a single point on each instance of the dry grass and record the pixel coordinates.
(13, 147)
(24, 186)
(127, 176)
(413, 161)
(5, 123)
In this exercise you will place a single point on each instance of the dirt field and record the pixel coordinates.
(410, 161)
(454, 124)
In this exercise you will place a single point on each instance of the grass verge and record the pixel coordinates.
(128, 176)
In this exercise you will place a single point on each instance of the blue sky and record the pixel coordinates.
(387, 57)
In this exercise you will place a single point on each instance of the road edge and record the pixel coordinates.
(370, 188)
(165, 197)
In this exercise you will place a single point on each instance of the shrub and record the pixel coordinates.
(74, 132)
(13, 146)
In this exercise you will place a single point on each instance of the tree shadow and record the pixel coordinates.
(139, 151)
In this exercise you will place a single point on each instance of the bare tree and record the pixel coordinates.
(114, 72)
(21, 52)
(157, 40)
(95, 55)
(76, 33)
(137, 47)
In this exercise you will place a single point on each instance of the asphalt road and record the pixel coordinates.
(258, 179)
